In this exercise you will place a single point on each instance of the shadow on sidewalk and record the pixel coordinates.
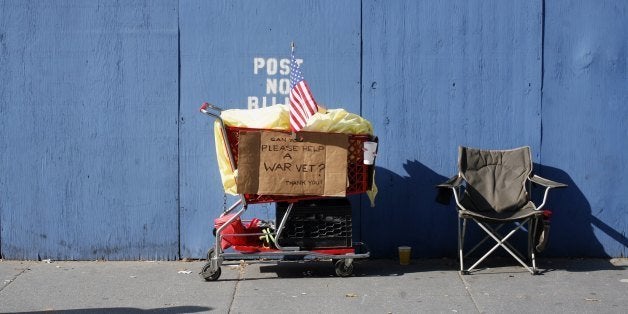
(120, 310)
(363, 268)
(582, 264)
(387, 267)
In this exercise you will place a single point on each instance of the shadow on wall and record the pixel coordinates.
(406, 214)
(572, 220)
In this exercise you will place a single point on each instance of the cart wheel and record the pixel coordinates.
(343, 269)
(207, 272)
(210, 274)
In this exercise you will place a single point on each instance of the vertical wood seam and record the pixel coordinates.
(540, 161)
(361, 198)
(179, 120)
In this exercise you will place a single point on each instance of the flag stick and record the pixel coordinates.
(294, 135)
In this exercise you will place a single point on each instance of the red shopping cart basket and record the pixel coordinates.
(359, 175)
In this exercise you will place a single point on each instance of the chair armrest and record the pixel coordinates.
(546, 182)
(448, 189)
(453, 182)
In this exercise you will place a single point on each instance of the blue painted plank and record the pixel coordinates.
(584, 125)
(229, 52)
(437, 75)
(88, 102)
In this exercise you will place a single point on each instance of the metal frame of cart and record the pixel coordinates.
(359, 177)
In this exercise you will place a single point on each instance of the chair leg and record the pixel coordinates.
(501, 243)
(460, 242)
(494, 231)
(521, 256)
(470, 251)
(532, 225)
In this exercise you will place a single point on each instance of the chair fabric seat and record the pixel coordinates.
(527, 210)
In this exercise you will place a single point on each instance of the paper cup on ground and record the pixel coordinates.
(369, 152)
(404, 255)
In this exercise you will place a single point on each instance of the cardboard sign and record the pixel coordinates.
(274, 163)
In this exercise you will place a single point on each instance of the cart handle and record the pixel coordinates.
(204, 109)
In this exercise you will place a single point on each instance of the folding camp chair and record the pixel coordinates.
(492, 189)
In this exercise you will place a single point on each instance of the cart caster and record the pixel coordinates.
(210, 253)
(344, 268)
(210, 274)
(207, 272)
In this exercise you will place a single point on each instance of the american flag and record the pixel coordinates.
(302, 104)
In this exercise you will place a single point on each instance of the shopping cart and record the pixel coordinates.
(260, 240)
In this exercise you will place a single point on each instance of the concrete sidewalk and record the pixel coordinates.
(377, 286)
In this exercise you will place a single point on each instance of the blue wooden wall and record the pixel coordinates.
(584, 115)
(104, 153)
(89, 101)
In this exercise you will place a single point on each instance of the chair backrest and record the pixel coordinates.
(496, 179)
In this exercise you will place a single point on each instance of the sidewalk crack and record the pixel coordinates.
(10, 281)
(241, 270)
(466, 288)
